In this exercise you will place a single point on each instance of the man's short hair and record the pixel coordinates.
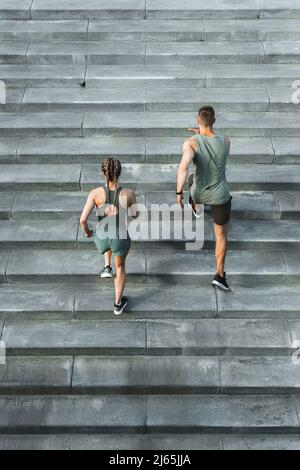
(207, 115)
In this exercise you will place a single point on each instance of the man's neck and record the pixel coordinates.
(208, 131)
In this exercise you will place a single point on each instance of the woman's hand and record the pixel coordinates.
(89, 233)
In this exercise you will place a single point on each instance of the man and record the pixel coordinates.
(208, 185)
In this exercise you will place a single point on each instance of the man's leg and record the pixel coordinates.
(120, 279)
(221, 247)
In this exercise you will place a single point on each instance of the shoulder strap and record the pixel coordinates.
(117, 199)
(106, 193)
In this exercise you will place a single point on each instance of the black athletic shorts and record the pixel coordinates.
(221, 213)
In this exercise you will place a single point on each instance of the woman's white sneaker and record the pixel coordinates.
(106, 273)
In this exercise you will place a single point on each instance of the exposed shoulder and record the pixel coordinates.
(128, 197)
(97, 191)
(127, 191)
(191, 142)
(98, 194)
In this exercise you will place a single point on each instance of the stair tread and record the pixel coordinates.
(136, 374)
(180, 413)
(52, 204)
(164, 337)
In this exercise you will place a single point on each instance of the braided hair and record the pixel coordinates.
(111, 169)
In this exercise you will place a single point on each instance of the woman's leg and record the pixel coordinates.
(120, 279)
(107, 258)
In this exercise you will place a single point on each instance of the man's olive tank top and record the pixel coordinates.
(210, 185)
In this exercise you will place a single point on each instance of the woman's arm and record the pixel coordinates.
(89, 206)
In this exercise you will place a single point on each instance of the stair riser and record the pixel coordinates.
(135, 82)
(149, 244)
(76, 186)
(52, 350)
(149, 107)
(145, 390)
(244, 280)
(63, 214)
(142, 60)
(135, 107)
(167, 36)
(42, 158)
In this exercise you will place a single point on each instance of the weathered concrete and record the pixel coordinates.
(36, 301)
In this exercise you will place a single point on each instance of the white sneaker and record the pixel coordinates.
(196, 208)
(106, 273)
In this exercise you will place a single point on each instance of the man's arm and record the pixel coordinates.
(183, 170)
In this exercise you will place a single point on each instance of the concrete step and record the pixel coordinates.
(70, 30)
(167, 337)
(138, 375)
(108, 53)
(193, 53)
(276, 99)
(138, 149)
(152, 30)
(42, 75)
(37, 124)
(40, 302)
(46, 9)
(190, 30)
(63, 234)
(94, 9)
(177, 99)
(251, 30)
(44, 205)
(224, 9)
(156, 414)
(156, 266)
(210, 75)
(165, 124)
(34, 176)
(151, 53)
(150, 76)
(154, 177)
(153, 441)
(143, 178)
(141, 124)
(15, 9)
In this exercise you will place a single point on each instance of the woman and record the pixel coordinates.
(109, 199)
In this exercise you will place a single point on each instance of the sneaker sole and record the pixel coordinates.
(196, 215)
(119, 312)
(218, 284)
(106, 276)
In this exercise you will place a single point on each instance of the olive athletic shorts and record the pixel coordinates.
(119, 247)
(221, 213)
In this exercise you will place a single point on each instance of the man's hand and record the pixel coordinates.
(196, 131)
(180, 200)
(89, 233)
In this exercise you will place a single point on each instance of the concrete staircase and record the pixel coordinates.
(186, 367)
